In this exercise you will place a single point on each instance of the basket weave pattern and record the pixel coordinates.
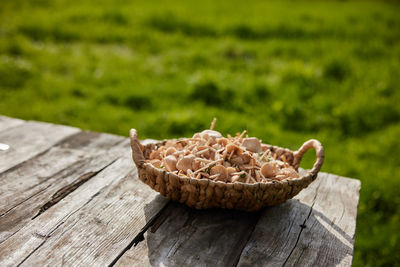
(205, 193)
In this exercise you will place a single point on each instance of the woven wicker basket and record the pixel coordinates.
(205, 193)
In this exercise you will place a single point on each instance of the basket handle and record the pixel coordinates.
(319, 152)
(137, 154)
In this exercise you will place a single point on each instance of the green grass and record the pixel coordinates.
(286, 71)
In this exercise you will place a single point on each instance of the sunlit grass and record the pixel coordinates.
(286, 71)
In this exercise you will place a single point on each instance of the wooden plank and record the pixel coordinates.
(43, 180)
(29, 139)
(90, 226)
(188, 237)
(7, 122)
(329, 236)
(317, 229)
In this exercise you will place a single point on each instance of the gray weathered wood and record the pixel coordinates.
(42, 180)
(94, 210)
(189, 237)
(7, 122)
(29, 139)
(316, 229)
(209, 238)
(92, 225)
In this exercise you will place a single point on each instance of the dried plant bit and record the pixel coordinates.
(266, 153)
(224, 154)
(230, 170)
(201, 152)
(280, 163)
(280, 177)
(239, 173)
(235, 178)
(204, 160)
(247, 180)
(191, 147)
(289, 172)
(230, 155)
(252, 180)
(198, 176)
(190, 173)
(156, 163)
(201, 147)
(262, 176)
(213, 177)
(222, 141)
(213, 123)
(215, 147)
(206, 175)
(249, 167)
(210, 148)
(208, 165)
(241, 135)
(258, 176)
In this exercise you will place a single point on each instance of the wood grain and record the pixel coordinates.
(188, 237)
(295, 233)
(7, 122)
(73, 198)
(92, 225)
(29, 139)
(315, 229)
(43, 180)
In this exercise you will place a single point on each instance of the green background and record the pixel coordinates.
(286, 71)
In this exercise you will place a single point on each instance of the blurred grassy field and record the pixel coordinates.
(286, 71)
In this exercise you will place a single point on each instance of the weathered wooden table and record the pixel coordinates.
(72, 197)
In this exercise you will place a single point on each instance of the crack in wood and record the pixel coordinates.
(45, 237)
(161, 219)
(302, 226)
(234, 257)
(30, 254)
(140, 236)
(68, 189)
(20, 203)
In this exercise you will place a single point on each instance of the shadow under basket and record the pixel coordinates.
(205, 193)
